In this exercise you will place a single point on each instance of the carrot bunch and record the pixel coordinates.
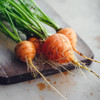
(53, 50)
(15, 14)
(68, 32)
(58, 47)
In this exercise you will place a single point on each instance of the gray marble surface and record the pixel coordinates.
(83, 16)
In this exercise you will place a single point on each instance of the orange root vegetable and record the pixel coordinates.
(36, 43)
(59, 49)
(25, 49)
(71, 35)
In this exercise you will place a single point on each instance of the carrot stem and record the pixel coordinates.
(31, 19)
(24, 22)
(9, 33)
(20, 10)
(44, 18)
(12, 25)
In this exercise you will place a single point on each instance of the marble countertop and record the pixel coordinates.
(84, 17)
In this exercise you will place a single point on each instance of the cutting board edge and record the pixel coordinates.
(28, 76)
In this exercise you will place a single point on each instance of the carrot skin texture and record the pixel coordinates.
(70, 34)
(36, 43)
(57, 48)
(25, 49)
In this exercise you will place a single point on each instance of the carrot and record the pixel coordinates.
(61, 52)
(68, 32)
(71, 35)
(59, 49)
(25, 49)
(36, 43)
(54, 48)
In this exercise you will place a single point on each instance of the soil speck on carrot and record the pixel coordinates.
(41, 86)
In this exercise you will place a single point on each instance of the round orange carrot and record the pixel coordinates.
(57, 48)
(70, 34)
(36, 43)
(25, 49)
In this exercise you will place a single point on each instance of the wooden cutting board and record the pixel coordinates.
(13, 71)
